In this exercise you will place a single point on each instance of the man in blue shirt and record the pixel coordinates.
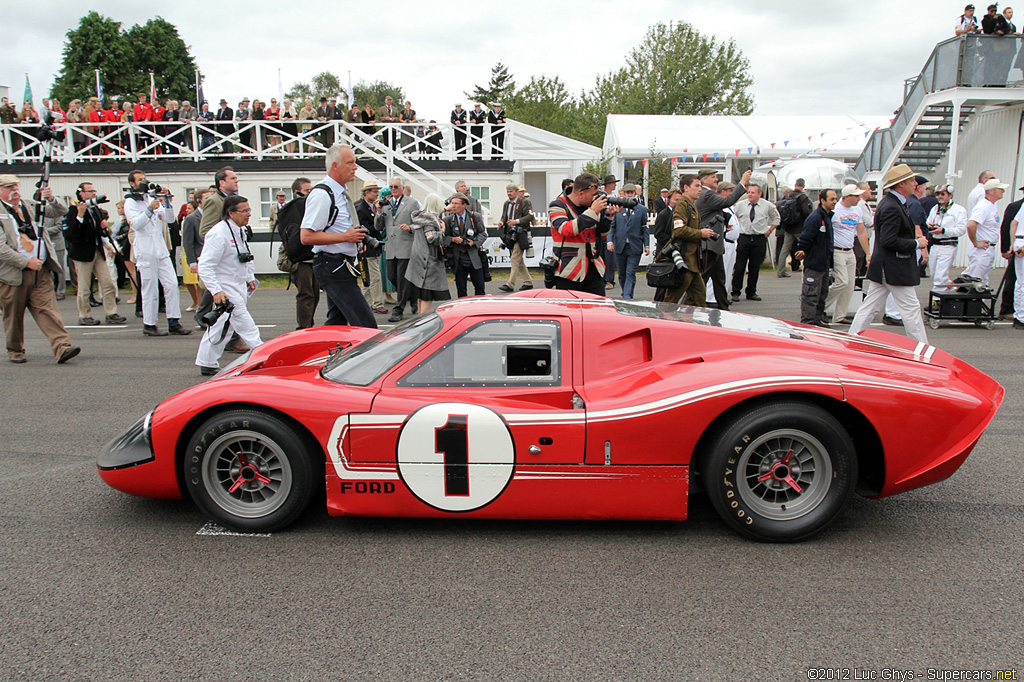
(627, 240)
(331, 226)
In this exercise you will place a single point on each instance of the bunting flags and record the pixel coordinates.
(99, 88)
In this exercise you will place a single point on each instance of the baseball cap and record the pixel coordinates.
(995, 184)
(852, 191)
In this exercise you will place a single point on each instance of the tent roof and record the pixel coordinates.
(532, 143)
(633, 136)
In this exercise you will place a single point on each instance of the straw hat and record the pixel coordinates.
(897, 174)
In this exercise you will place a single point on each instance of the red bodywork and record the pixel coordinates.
(640, 390)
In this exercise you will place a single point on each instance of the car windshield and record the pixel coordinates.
(364, 363)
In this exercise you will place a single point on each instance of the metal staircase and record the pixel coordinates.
(962, 77)
(930, 139)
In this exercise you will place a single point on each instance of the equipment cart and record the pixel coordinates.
(970, 302)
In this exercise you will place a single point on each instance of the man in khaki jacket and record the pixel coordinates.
(25, 252)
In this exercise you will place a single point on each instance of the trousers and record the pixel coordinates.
(905, 298)
(345, 304)
(980, 262)
(157, 270)
(211, 347)
(36, 295)
(518, 268)
(750, 250)
(307, 295)
(97, 266)
(941, 259)
(844, 268)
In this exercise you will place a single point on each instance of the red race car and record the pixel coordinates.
(559, 405)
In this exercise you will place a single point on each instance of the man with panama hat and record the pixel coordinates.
(893, 267)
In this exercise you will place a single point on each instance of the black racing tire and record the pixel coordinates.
(249, 471)
(781, 472)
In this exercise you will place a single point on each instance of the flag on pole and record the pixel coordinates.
(280, 88)
(28, 92)
(351, 97)
(200, 97)
(152, 90)
(99, 89)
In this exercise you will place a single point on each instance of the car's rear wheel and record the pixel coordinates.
(781, 472)
(249, 471)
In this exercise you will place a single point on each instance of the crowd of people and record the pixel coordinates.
(287, 129)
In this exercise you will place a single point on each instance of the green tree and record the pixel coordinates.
(547, 104)
(97, 43)
(125, 60)
(324, 84)
(676, 70)
(498, 89)
(300, 92)
(374, 93)
(659, 173)
(157, 48)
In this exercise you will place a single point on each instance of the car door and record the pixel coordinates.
(491, 394)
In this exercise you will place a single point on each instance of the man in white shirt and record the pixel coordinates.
(983, 231)
(868, 218)
(227, 269)
(979, 190)
(967, 23)
(147, 216)
(947, 222)
(847, 229)
(330, 224)
(758, 219)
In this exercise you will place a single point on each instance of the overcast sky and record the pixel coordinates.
(806, 57)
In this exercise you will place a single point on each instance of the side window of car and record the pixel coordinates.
(495, 353)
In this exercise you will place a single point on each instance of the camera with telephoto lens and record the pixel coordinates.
(48, 132)
(384, 196)
(677, 256)
(624, 202)
(370, 242)
(147, 187)
(96, 201)
(210, 318)
(549, 264)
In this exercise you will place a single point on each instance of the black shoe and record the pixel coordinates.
(179, 330)
(93, 303)
(209, 371)
(753, 297)
(892, 321)
(526, 287)
(505, 287)
(395, 317)
(88, 321)
(116, 319)
(68, 354)
(822, 323)
(1017, 324)
(151, 330)
(734, 298)
(138, 313)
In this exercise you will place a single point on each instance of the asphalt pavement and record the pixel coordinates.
(97, 585)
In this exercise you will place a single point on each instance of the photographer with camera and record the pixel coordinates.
(226, 267)
(463, 234)
(683, 245)
(89, 243)
(330, 224)
(578, 224)
(25, 250)
(516, 217)
(147, 207)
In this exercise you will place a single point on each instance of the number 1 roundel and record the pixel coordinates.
(455, 457)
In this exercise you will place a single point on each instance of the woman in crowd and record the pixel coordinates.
(126, 117)
(74, 116)
(172, 115)
(306, 113)
(289, 127)
(368, 117)
(189, 278)
(273, 113)
(259, 114)
(426, 274)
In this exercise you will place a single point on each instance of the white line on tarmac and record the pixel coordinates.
(211, 528)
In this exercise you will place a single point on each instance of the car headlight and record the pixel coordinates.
(131, 448)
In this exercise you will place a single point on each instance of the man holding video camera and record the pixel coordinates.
(227, 269)
(578, 223)
(89, 243)
(147, 207)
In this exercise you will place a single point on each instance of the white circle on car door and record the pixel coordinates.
(455, 457)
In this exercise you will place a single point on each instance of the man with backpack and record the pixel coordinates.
(296, 256)
(794, 208)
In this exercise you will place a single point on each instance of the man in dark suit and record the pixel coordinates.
(366, 209)
(627, 240)
(393, 221)
(86, 246)
(458, 119)
(463, 232)
(325, 114)
(191, 240)
(661, 202)
(1006, 248)
(477, 118)
(712, 207)
(893, 267)
(225, 113)
(496, 117)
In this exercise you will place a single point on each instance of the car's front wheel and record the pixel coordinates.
(781, 472)
(249, 471)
